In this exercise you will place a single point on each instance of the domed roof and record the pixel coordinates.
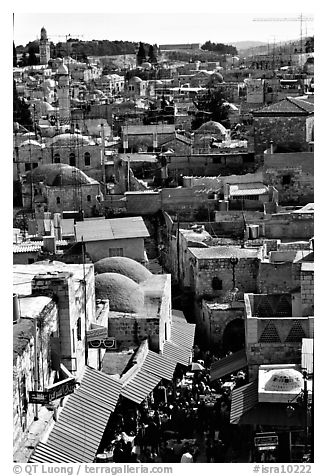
(69, 140)
(30, 142)
(123, 293)
(217, 77)
(59, 175)
(136, 79)
(125, 266)
(284, 380)
(212, 126)
(146, 64)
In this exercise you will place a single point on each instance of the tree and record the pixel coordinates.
(141, 55)
(153, 54)
(211, 106)
(32, 59)
(21, 112)
(14, 56)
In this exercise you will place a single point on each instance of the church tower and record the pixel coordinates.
(44, 47)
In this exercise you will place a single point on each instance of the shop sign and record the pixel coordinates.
(266, 440)
(97, 333)
(57, 390)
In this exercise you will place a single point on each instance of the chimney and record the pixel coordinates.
(49, 244)
(16, 316)
(57, 226)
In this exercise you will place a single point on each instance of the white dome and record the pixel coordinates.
(284, 380)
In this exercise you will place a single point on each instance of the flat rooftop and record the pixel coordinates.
(218, 252)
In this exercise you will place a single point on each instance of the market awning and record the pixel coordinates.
(82, 421)
(159, 365)
(228, 365)
(177, 353)
(243, 399)
(139, 386)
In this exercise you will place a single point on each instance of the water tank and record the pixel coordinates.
(253, 232)
(15, 309)
(223, 205)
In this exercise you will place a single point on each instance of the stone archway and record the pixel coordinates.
(233, 338)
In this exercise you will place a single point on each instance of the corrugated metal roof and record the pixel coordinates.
(48, 454)
(182, 333)
(228, 364)
(307, 355)
(243, 399)
(140, 386)
(97, 230)
(83, 420)
(159, 365)
(177, 353)
(107, 389)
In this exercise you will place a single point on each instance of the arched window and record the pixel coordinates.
(88, 198)
(87, 158)
(72, 159)
(216, 284)
(56, 158)
(58, 200)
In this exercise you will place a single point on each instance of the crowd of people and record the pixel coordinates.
(179, 421)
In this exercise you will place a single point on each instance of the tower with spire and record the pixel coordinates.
(44, 47)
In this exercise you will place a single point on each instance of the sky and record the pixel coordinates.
(169, 22)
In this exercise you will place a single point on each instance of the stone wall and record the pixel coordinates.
(290, 226)
(23, 369)
(246, 271)
(130, 330)
(307, 289)
(275, 278)
(132, 248)
(279, 130)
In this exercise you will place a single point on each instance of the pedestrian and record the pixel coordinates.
(187, 455)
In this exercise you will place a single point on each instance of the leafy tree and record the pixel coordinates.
(211, 107)
(32, 59)
(14, 56)
(21, 112)
(220, 48)
(141, 55)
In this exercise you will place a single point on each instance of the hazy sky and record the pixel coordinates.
(167, 22)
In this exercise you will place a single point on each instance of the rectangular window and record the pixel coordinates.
(27, 167)
(73, 340)
(116, 252)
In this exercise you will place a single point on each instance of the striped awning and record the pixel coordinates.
(228, 364)
(307, 355)
(139, 386)
(177, 353)
(182, 333)
(243, 399)
(82, 421)
(159, 365)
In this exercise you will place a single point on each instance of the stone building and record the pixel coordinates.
(218, 269)
(113, 237)
(285, 123)
(44, 47)
(292, 174)
(276, 323)
(56, 311)
(59, 187)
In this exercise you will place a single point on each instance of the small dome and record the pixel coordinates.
(123, 293)
(125, 266)
(59, 175)
(135, 79)
(69, 140)
(213, 127)
(284, 380)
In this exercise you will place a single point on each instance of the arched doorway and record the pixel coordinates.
(234, 336)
